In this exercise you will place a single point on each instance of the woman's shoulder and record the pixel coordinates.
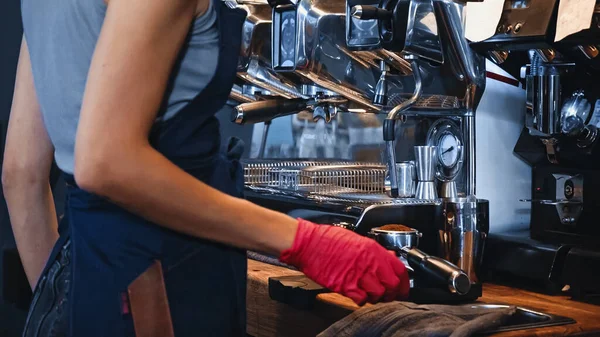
(202, 7)
(204, 28)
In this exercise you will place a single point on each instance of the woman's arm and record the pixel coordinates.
(134, 56)
(25, 175)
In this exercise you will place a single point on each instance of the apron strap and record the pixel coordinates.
(149, 304)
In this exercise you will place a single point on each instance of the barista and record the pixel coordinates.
(122, 95)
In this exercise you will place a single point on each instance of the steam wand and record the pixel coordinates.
(263, 143)
(389, 125)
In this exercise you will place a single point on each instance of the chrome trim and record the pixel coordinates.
(256, 35)
(469, 163)
(237, 95)
(397, 203)
(422, 32)
(239, 114)
(262, 76)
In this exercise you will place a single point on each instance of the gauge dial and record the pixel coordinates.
(446, 136)
(448, 150)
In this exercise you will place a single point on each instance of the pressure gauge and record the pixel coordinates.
(446, 136)
(448, 149)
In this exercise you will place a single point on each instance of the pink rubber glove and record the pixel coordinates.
(347, 263)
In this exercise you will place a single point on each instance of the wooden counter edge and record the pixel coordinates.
(332, 307)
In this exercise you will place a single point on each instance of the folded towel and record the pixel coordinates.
(396, 319)
(267, 259)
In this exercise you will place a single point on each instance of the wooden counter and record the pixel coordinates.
(268, 318)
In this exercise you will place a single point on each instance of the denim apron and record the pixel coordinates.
(102, 247)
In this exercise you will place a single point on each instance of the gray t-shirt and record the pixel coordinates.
(61, 36)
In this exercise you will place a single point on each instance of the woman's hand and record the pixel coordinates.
(347, 263)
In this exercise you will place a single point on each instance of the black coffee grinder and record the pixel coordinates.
(560, 141)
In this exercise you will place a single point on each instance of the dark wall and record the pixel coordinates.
(11, 274)
(10, 41)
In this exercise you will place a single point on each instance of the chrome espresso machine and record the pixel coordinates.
(558, 64)
(376, 102)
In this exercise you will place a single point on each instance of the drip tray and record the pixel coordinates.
(524, 318)
(300, 292)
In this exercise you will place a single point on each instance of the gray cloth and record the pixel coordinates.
(404, 319)
(267, 259)
(61, 36)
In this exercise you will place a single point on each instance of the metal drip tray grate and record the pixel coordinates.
(317, 177)
(266, 172)
(338, 179)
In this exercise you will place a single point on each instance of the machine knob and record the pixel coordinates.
(569, 189)
(363, 12)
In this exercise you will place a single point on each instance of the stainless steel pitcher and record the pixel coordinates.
(463, 234)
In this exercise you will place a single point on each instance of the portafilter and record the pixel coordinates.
(404, 242)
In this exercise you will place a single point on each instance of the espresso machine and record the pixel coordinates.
(560, 252)
(398, 81)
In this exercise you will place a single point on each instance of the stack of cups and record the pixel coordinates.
(425, 160)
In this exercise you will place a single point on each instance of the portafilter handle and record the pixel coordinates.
(439, 269)
(262, 111)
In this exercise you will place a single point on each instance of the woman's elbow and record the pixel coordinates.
(88, 175)
(97, 173)
(16, 177)
(10, 176)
